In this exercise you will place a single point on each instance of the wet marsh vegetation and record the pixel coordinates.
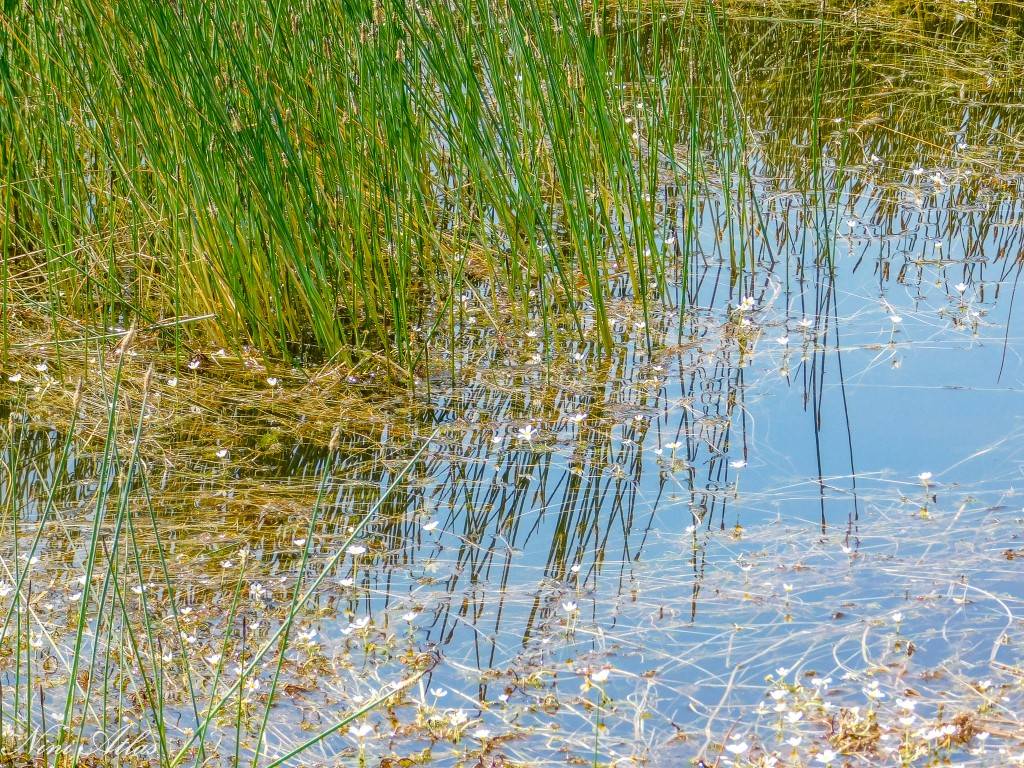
(510, 384)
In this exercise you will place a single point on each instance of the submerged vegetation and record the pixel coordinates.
(511, 383)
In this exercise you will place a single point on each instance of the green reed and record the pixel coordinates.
(321, 177)
(325, 180)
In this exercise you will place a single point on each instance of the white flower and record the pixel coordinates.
(213, 659)
(409, 616)
(895, 319)
(673, 446)
(361, 731)
(782, 671)
(42, 367)
(782, 340)
(897, 617)
(299, 542)
(526, 433)
(601, 675)
(194, 364)
(805, 322)
(5, 588)
(794, 741)
(960, 287)
(172, 382)
(274, 381)
(14, 378)
(924, 477)
(827, 756)
(356, 549)
(356, 625)
(222, 453)
(907, 720)
(481, 733)
(459, 717)
(794, 717)
(438, 692)
(432, 525)
(576, 418)
(569, 607)
(738, 747)
(779, 694)
(787, 587)
(738, 464)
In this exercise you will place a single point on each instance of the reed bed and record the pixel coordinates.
(323, 182)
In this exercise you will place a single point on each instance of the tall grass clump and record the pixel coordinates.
(324, 178)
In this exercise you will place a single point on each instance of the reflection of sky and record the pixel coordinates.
(920, 395)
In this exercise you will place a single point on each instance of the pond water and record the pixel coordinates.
(781, 518)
